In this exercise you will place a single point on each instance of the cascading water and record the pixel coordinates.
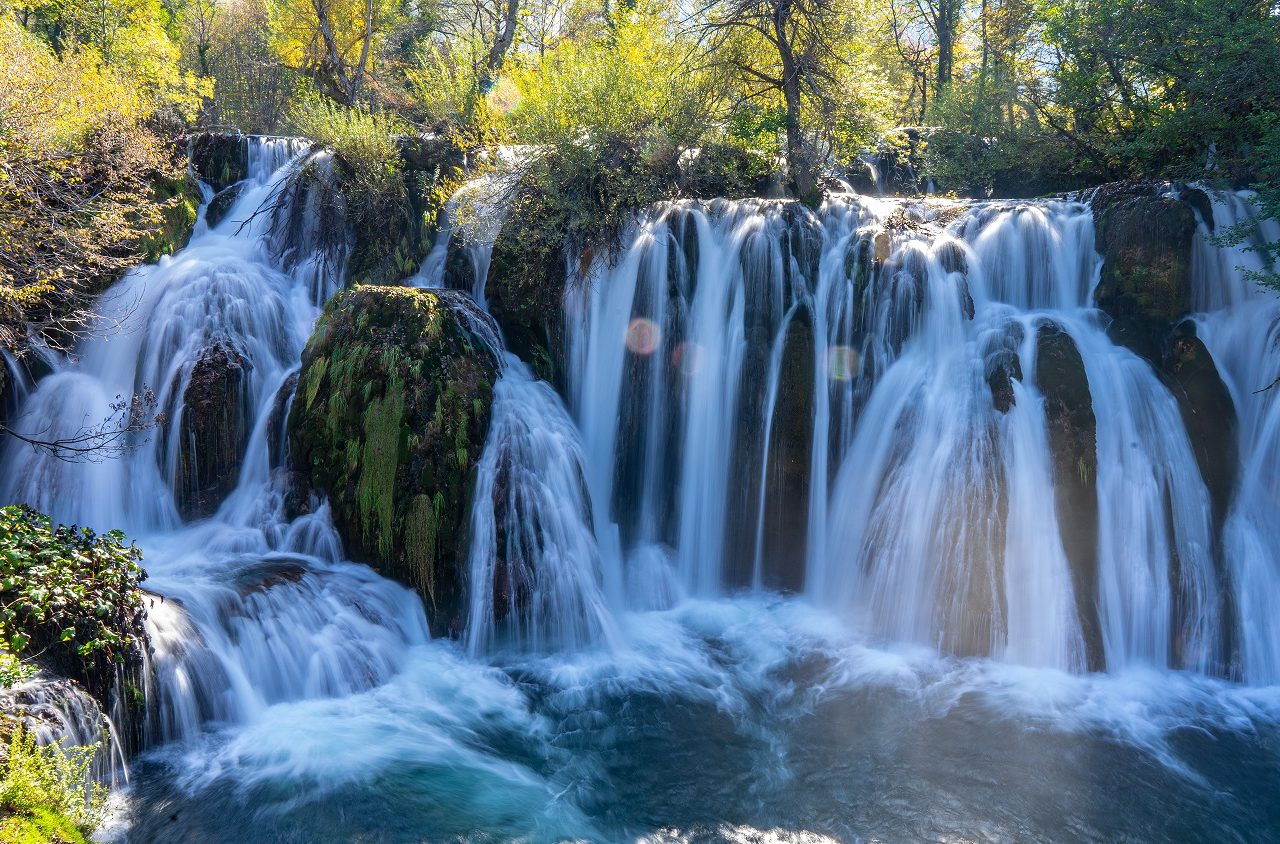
(1240, 325)
(793, 563)
(250, 610)
(738, 354)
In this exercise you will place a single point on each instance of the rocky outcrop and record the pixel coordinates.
(1061, 377)
(214, 431)
(524, 291)
(219, 159)
(389, 420)
(1144, 233)
(222, 203)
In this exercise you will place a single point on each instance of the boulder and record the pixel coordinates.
(216, 417)
(1144, 233)
(525, 289)
(219, 158)
(1073, 445)
(389, 421)
(222, 203)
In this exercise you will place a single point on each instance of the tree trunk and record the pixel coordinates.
(501, 43)
(801, 168)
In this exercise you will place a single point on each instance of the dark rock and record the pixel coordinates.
(1200, 201)
(277, 423)
(1061, 377)
(786, 493)
(390, 418)
(1207, 412)
(215, 430)
(1145, 238)
(1003, 366)
(222, 203)
(219, 158)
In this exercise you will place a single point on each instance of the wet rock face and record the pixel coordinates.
(214, 430)
(1207, 411)
(222, 203)
(220, 158)
(389, 421)
(1145, 236)
(1061, 377)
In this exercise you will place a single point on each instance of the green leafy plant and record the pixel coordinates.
(68, 595)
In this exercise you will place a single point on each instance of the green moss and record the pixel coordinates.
(421, 531)
(398, 395)
(375, 492)
(180, 203)
(315, 375)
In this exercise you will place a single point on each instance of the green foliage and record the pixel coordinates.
(47, 793)
(67, 594)
(13, 670)
(611, 113)
(364, 142)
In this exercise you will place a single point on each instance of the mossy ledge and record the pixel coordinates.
(390, 417)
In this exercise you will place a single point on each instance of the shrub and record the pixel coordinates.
(47, 793)
(69, 596)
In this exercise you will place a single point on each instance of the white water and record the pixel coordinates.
(250, 610)
(623, 532)
(938, 526)
(1240, 325)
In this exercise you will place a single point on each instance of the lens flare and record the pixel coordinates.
(843, 363)
(504, 97)
(643, 336)
(688, 357)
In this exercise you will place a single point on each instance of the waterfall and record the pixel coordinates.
(774, 398)
(248, 609)
(882, 454)
(1239, 322)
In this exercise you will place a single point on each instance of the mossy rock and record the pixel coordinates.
(219, 158)
(389, 421)
(181, 199)
(525, 287)
(1073, 445)
(1145, 237)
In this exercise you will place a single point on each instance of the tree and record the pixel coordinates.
(332, 41)
(783, 46)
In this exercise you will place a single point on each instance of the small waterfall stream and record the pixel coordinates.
(797, 545)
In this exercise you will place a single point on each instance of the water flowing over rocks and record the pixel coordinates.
(390, 418)
(1061, 378)
(800, 466)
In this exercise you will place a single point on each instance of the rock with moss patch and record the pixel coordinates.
(389, 420)
(179, 206)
